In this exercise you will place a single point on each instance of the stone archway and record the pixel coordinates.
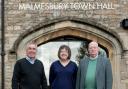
(78, 28)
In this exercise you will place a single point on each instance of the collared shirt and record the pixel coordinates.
(32, 61)
(91, 58)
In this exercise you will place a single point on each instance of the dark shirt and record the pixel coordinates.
(63, 77)
(29, 76)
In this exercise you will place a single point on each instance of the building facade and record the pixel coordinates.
(44, 20)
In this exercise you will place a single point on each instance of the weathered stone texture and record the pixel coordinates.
(18, 21)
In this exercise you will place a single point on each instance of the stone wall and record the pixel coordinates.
(18, 21)
(0, 44)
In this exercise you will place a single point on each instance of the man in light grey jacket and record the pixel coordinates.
(95, 71)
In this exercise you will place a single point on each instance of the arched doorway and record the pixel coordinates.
(49, 32)
(47, 53)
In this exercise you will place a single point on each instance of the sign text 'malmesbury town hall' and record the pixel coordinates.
(64, 6)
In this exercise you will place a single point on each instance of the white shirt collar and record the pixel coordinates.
(93, 58)
(32, 61)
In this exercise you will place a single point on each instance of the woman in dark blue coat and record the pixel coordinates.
(63, 71)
